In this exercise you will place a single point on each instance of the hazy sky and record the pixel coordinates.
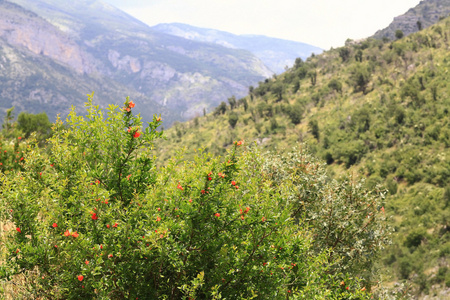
(322, 23)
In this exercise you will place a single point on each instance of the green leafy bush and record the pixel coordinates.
(96, 219)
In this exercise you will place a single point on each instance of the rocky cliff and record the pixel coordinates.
(103, 44)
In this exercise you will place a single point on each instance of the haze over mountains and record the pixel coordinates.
(54, 52)
(277, 54)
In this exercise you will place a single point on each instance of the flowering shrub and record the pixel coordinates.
(96, 219)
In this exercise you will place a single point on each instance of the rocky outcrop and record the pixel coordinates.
(27, 30)
(427, 13)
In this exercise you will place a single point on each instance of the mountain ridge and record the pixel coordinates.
(185, 77)
(274, 52)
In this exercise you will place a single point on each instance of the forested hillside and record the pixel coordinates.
(379, 110)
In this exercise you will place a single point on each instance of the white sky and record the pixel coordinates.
(322, 23)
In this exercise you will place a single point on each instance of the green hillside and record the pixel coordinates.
(376, 109)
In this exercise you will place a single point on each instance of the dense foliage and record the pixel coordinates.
(94, 218)
(376, 108)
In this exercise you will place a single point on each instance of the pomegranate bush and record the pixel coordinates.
(94, 218)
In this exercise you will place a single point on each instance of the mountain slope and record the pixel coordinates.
(425, 14)
(42, 69)
(274, 53)
(97, 40)
(375, 109)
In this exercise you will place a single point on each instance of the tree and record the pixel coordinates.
(335, 84)
(232, 119)
(419, 25)
(313, 126)
(398, 34)
(295, 113)
(232, 102)
(313, 76)
(277, 90)
(38, 123)
(344, 53)
(360, 77)
(221, 109)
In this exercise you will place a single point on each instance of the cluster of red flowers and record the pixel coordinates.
(243, 212)
(74, 234)
(94, 216)
(130, 106)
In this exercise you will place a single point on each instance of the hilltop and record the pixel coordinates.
(379, 110)
(422, 16)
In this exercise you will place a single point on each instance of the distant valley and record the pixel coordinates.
(53, 53)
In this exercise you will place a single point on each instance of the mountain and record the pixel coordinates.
(376, 109)
(99, 47)
(274, 53)
(425, 14)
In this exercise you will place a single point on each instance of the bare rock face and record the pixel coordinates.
(126, 63)
(36, 35)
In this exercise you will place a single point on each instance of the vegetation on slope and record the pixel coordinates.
(380, 110)
(92, 217)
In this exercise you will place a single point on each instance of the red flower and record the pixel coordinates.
(237, 187)
(115, 225)
(136, 134)
(106, 201)
(128, 177)
(21, 158)
(75, 234)
(129, 129)
(209, 178)
(131, 104)
(190, 200)
(80, 277)
(263, 219)
(107, 226)
(179, 187)
(203, 191)
(18, 230)
(158, 219)
(67, 233)
(217, 215)
(233, 182)
(158, 119)
(55, 225)
(94, 216)
(19, 138)
(86, 262)
(101, 246)
(239, 143)
(110, 255)
(97, 181)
